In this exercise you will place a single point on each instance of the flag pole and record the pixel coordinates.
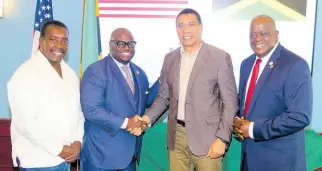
(81, 60)
(82, 37)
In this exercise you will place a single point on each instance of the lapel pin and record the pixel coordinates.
(271, 65)
(137, 72)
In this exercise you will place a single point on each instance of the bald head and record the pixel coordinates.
(263, 35)
(119, 32)
(264, 19)
(122, 45)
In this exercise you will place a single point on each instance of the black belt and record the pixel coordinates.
(182, 123)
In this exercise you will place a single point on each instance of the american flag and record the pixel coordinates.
(141, 8)
(44, 12)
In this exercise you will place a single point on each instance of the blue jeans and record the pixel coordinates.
(61, 167)
(86, 167)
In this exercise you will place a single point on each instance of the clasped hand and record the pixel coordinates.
(137, 124)
(70, 153)
(241, 127)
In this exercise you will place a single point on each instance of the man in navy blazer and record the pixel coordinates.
(275, 94)
(113, 92)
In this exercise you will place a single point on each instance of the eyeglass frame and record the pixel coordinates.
(125, 43)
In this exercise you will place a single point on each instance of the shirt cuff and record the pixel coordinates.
(250, 130)
(124, 123)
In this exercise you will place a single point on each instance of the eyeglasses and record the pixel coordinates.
(122, 44)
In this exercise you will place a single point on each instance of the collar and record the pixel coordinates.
(119, 64)
(41, 58)
(266, 58)
(183, 52)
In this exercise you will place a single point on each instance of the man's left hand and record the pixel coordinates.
(238, 122)
(242, 128)
(217, 149)
(76, 145)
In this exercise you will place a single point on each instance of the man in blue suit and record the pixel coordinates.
(113, 92)
(275, 93)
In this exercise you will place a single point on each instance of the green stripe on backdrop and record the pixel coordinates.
(90, 41)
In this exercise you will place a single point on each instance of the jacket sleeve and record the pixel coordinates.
(162, 101)
(228, 94)
(298, 104)
(92, 101)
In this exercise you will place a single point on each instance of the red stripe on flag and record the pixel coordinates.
(136, 16)
(139, 9)
(143, 1)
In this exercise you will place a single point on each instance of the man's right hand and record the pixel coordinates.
(67, 151)
(145, 122)
(139, 125)
(133, 123)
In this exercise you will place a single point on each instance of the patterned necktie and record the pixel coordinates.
(128, 78)
(252, 86)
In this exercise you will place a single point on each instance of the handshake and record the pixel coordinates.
(241, 127)
(137, 124)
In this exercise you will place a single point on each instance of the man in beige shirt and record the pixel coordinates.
(198, 85)
(187, 62)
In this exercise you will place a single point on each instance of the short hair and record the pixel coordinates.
(190, 11)
(49, 24)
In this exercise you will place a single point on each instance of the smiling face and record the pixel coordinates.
(54, 44)
(189, 30)
(263, 35)
(122, 54)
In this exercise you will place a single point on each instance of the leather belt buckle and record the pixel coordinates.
(182, 123)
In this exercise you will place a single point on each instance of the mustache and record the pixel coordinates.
(124, 50)
(58, 50)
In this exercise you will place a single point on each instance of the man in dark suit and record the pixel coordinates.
(113, 91)
(275, 93)
(198, 86)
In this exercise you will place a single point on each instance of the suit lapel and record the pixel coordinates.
(248, 68)
(263, 77)
(200, 61)
(120, 78)
(176, 65)
(137, 76)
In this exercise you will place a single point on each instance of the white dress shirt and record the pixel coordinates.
(120, 65)
(262, 65)
(46, 112)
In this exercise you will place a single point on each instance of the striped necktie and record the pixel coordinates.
(128, 78)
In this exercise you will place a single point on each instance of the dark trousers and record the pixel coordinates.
(244, 163)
